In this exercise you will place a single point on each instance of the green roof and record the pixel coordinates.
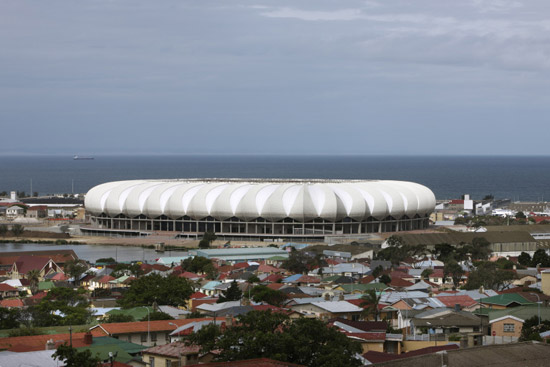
(505, 299)
(137, 313)
(331, 278)
(521, 312)
(104, 350)
(46, 285)
(130, 348)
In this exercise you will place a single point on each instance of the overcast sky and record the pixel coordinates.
(285, 76)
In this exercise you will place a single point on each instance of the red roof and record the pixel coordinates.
(7, 288)
(367, 279)
(189, 275)
(268, 269)
(275, 286)
(38, 342)
(273, 278)
(307, 279)
(269, 307)
(105, 279)
(242, 265)
(197, 295)
(141, 326)
(11, 303)
(463, 301)
(398, 282)
(27, 263)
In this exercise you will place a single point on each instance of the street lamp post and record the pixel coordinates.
(538, 303)
(148, 324)
(179, 349)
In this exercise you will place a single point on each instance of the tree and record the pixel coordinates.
(71, 357)
(531, 329)
(233, 293)
(9, 318)
(426, 273)
(106, 260)
(385, 278)
(197, 264)
(442, 251)
(296, 262)
(127, 269)
(263, 334)
(370, 304)
(520, 215)
(541, 258)
(3, 229)
(455, 271)
(524, 259)
(480, 249)
(72, 304)
(207, 239)
(377, 271)
(17, 229)
(171, 290)
(157, 315)
(75, 269)
(33, 276)
(262, 293)
(490, 276)
(119, 317)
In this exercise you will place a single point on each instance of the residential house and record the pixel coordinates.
(173, 354)
(147, 333)
(15, 211)
(445, 321)
(7, 291)
(329, 309)
(509, 322)
(24, 264)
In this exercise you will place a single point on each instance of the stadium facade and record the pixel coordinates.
(258, 208)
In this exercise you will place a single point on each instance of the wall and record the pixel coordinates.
(498, 327)
(410, 345)
(377, 347)
(545, 278)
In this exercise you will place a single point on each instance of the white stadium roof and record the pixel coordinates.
(273, 200)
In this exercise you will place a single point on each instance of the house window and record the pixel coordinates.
(152, 361)
(144, 338)
(153, 337)
(508, 328)
(168, 363)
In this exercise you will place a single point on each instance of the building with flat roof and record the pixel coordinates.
(258, 208)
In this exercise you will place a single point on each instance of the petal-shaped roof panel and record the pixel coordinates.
(274, 200)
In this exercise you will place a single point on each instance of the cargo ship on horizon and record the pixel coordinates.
(82, 158)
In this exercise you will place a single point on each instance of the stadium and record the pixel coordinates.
(258, 209)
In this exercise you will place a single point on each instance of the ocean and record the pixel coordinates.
(511, 177)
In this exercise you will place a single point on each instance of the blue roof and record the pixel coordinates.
(291, 278)
(211, 285)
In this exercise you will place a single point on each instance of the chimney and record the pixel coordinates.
(327, 297)
(88, 338)
(50, 344)
(341, 297)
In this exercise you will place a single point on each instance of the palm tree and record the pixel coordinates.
(370, 304)
(33, 276)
